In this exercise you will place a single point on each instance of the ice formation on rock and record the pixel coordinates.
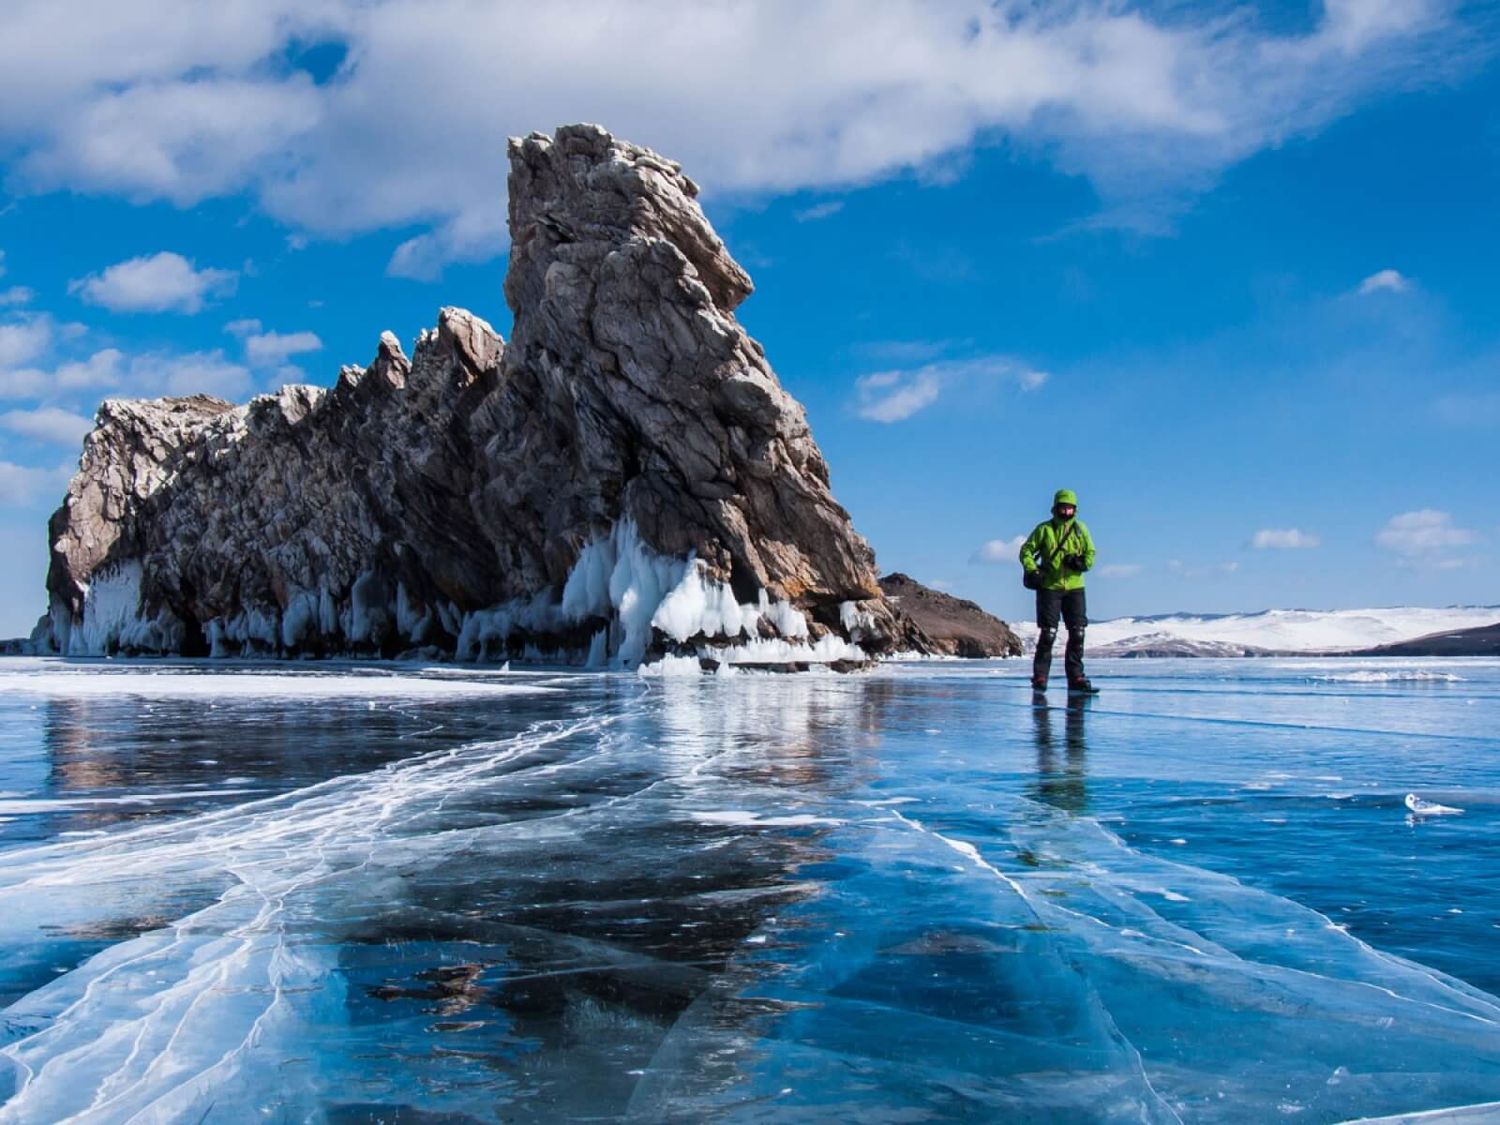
(625, 480)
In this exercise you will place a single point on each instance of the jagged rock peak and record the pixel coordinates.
(582, 188)
(626, 479)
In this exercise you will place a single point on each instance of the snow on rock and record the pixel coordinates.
(624, 480)
(1272, 632)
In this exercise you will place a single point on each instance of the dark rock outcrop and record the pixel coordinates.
(1481, 641)
(626, 479)
(950, 626)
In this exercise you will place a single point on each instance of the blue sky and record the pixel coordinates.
(1228, 272)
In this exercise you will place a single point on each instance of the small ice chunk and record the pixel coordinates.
(1419, 807)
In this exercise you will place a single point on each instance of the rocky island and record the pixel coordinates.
(624, 481)
(951, 626)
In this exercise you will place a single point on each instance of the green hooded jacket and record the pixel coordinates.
(1042, 544)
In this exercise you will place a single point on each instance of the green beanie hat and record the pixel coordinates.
(1064, 496)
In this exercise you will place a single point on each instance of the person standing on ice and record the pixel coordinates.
(1053, 561)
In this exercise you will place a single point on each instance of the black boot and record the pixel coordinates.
(1041, 660)
(1081, 686)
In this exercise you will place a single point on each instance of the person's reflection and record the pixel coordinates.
(1062, 785)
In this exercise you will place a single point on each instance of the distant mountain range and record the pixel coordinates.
(1395, 631)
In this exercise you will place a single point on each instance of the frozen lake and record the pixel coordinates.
(381, 893)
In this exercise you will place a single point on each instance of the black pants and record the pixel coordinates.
(1071, 606)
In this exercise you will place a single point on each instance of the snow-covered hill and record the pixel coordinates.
(1271, 631)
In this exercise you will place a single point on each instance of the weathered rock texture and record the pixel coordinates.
(484, 499)
(950, 626)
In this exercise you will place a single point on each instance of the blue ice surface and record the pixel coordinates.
(339, 893)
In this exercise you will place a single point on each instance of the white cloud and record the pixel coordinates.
(473, 235)
(246, 327)
(893, 396)
(272, 349)
(24, 382)
(999, 551)
(209, 373)
(819, 211)
(23, 340)
(1120, 570)
(1283, 539)
(48, 423)
(16, 295)
(1423, 532)
(176, 100)
(21, 485)
(1391, 281)
(181, 140)
(102, 369)
(162, 282)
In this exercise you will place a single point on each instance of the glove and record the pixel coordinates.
(1075, 563)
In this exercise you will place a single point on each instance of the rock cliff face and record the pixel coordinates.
(625, 480)
(950, 626)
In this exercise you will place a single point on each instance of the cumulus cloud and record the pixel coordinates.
(473, 235)
(16, 295)
(102, 369)
(162, 282)
(1422, 533)
(1283, 539)
(105, 368)
(893, 396)
(176, 100)
(210, 373)
(1390, 281)
(999, 551)
(23, 340)
(21, 485)
(272, 349)
(48, 423)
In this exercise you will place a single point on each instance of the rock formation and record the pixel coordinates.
(950, 626)
(625, 480)
(1483, 640)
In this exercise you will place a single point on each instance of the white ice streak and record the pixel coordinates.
(52, 678)
(1398, 676)
(1418, 807)
(1160, 943)
(201, 1012)
(12, 805)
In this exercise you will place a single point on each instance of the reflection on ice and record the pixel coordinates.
(726, 898)
(51, 678)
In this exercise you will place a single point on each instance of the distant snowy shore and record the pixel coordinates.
(1273, 632)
